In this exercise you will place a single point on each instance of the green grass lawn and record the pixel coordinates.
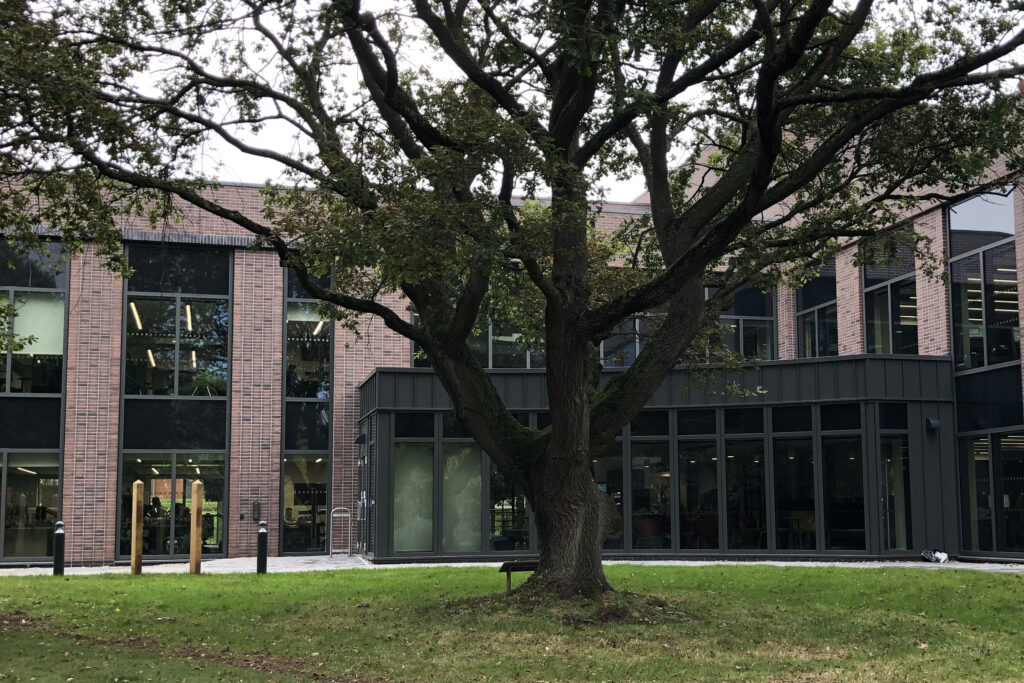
(700, 623)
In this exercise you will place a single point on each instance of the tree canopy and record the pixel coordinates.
(412, 137)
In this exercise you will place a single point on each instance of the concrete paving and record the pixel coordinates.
(246, 565)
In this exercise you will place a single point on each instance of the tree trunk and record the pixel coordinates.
(568, 513)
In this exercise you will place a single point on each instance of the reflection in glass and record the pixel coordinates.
(31, 488)
(794, 494)
(155, 472)
(977, 492)
(652, 495)
(307, 425)
(746, 520)
(307, 353)
(37, 368)
(460, 497)
(171, 269)
(167, 501)
(758, 339)
(607, 472)
(209, 469)
(506, 348)
(1011, 489)
(904, 316)
(896, 466)
(509, 515)
(33, 268)
(203, 348)
(414, 497)
(876, 320)
(619, 349)
(304, 503)
(698, 495)
(843, 493)
(980, 220)
(968, 319)
(1002, 318)
(149, 346)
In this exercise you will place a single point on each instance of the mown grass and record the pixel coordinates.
(703, 623)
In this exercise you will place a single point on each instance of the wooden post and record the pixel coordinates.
(137, 492)
(196, 544)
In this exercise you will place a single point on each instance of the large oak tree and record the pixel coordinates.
(766, 131)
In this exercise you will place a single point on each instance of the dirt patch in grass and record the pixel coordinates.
(620, 607)
(18, 620)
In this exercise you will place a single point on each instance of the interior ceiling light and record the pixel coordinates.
(319, 326)
(188, 316)
(26, 471)
(135, 314)
(152, 361)
(193, 358)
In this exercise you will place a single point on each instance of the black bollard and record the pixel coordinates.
(261, 549)
(58, 550)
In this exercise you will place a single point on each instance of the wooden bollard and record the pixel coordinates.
(137, 492)
(196, 543)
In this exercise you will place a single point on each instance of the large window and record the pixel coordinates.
(748, 325)
(177, 323)
(890, 305)
(306, 459)
(31, 384)
(992, 469)
(167, 501)
(817, 321)
(177, 340)
(495, 346)
(31, 500)
(983, 278)
(30, 283)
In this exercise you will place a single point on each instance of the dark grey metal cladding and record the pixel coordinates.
(905, 378)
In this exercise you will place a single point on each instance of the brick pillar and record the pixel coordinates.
(256, 387)
(785, 306)
(933, 333)
(849, 303)
(354, 360)
(91, 410)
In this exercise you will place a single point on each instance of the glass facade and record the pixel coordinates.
(992, 475)
(176, 376)
(748, 325)
(890, 305)
(306, 459)
(31, 387)
(817, 323)
(167, 501)
(983, 282)
(790, 479)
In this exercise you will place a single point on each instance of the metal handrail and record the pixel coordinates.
(340, 513)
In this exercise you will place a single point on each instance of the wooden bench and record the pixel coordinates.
(516, 566)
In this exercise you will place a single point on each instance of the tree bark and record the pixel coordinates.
(568, 512)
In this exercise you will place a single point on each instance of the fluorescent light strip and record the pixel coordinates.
(1007, 270)
(22, 469)
(197, 470)
(319, 326)
(152, 361)
(193, 357)
(155, 470)
(1004, 281)
(188, 316)
(135, 314)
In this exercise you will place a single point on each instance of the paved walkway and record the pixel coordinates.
(236, 565)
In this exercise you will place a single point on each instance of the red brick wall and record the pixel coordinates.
(254, 469)
(849, 303)
(354, 360)
(89, 500)
(933, 335)
(786, 322)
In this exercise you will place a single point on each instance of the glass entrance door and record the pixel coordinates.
(30, 504)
